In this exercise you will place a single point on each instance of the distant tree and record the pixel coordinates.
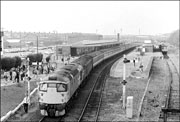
(12, 62)
(18, 61)
(39, 57)
(32, 57)
(8, 63)
(174, 38)
(35, 57)
(5, 62)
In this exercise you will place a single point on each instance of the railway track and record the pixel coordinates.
(48, 119)
(91, 109)
(171, 109)
(94, 100)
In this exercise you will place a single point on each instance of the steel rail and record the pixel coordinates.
(166, 109)
(90, 94)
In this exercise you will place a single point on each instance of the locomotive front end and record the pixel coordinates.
(53, 97)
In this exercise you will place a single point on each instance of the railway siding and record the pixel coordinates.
(171, 108)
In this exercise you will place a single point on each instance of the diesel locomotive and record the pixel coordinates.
(55, 92)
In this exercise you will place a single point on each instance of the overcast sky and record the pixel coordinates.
(103, 17)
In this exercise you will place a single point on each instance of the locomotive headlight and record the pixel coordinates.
(43, 87)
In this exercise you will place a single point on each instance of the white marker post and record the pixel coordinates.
(129, 107)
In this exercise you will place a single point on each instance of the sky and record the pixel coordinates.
(102, 17)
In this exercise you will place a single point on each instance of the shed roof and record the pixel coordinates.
(13, 40)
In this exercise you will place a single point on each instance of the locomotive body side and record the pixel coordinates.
(87, 63)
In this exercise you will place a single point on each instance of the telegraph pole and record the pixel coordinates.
(20, 42)
(2, 42)
(118, 37)
(139, 31)
(37, 55)
(37, 43)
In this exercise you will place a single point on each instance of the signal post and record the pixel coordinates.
(124, 81)
(124, 78)
(27, 91)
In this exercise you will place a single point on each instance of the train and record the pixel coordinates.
(81, 49)
(164, 49)
(58, 89)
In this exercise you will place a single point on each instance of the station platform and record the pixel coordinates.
(10, 90)
(134, 70)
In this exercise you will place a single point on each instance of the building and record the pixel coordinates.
(148, 45)
(15, 43)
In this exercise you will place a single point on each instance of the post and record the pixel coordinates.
(2, 43)
(20, 43)
(129, 107)
(118, 37)
(37, 61)
(28, 83)
(124, 82)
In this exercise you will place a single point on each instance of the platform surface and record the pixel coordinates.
(131, 69)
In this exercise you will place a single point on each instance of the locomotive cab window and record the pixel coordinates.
(43, 87)
(61, 87)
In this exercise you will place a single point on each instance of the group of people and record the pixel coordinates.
(46, 69)
(15, 74)
(19, 73)
(139, 60)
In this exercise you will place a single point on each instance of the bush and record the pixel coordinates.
(18, 61)
(39, 57)
(35, 57)
(31, 57)
(12, 62)
(48, 58)
(8, 62)
(5, 63)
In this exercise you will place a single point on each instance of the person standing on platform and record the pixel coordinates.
(6, 75)
(141, 67)
(10, 74)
